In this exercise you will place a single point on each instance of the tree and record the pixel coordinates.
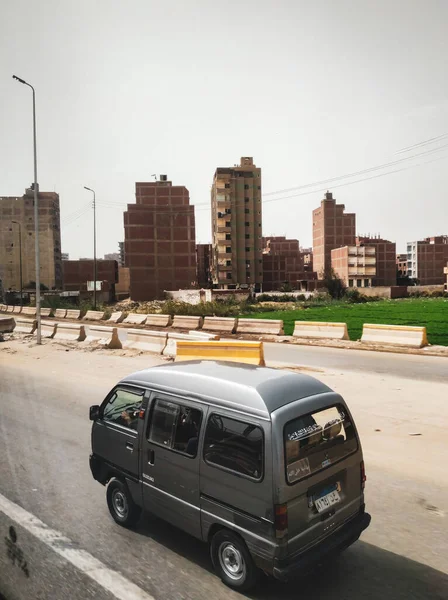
(334, 284)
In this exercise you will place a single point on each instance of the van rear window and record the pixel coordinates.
(317, 440)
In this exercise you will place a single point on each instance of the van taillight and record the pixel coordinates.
(281, 520)
(363, 475)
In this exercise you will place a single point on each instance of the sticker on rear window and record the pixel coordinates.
(298, 469)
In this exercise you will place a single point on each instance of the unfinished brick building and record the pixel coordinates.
(386, 260)
(160, 248)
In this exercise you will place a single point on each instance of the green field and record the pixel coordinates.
(431, 312)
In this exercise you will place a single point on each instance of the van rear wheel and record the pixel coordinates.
(123, 509)
(232, 561)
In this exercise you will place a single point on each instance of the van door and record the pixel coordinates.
(322, 473)
(114, 434)
(170, 461)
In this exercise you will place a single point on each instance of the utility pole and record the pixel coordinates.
(94, 246)
(20, 261)
(36, 213)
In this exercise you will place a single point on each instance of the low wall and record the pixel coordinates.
(396, 291)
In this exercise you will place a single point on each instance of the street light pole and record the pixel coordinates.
(36, 213)
(20, 261)
(94, 246)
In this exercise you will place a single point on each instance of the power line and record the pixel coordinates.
(424, 143)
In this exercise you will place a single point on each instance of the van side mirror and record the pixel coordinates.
(94, 412)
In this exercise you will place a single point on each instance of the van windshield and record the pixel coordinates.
(317, 440)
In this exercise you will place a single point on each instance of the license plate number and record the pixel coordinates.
(327, 501)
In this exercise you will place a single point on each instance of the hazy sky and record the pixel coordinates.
(312, 89)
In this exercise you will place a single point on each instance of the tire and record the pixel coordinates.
(123, 509)
(232, 561)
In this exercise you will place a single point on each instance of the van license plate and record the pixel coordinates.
(326, 501)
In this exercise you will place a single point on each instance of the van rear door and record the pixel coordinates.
(322, 472)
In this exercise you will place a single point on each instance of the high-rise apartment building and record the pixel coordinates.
(427, 259)
(332, 228)
(236, 226)
(18, 240)
(289, 249)
(160, 247)
(386, 260)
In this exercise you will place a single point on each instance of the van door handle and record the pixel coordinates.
(151, 457)
(130, 446)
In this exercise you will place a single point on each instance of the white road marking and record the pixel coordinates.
(110, 580)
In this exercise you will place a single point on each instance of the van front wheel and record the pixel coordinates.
(123, 509)
(232, 561)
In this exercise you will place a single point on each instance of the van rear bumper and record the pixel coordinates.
(338, 541)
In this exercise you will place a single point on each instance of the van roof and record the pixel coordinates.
(248, 388)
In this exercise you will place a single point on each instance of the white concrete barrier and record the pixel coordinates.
(7, 324)
(158, 320)
(46, 312)
(70, 331)
(106, 336)
(260, 326)
(116, 317)
(320, 330)
(16, 309)
(135, 319)
(9, 308)
(221, 324)
(147, 341)
(94, 315)
(48, 329)
(73, 313)
(25, 325)
(192, 336)
(187, 322)
(3, 308)
(397, 335)
(60, 313)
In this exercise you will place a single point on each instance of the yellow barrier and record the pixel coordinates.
(240, 352)
(398, 335)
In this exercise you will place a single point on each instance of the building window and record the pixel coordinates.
(350, 283)
(246, 199)
(227, 185)
(227, 223)
(228, 236)
(228, 263)
(229, 275)
(247, 224)
(228, 250)
(247, 249)
(247, 236)
(247, 274)
(358, 283)
(246, 211)
(228, 211)
(234, 446)
(259, 187)
(246, 187)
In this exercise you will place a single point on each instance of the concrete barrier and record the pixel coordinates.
(319, 330)
(148, 341)
(29, 311)
(3, 308)
(107, 336)
(135, 319)
(221, 324)
(60, 313)
(46, 312)
(18, 309)
(116, 317)
(94, 315)
(73, 314)
(241, 352)
(25, 325)
(187, 322)
(174, 337)
(71, 332)
(158, 320)
(7, 324)
(48, 329)
(260, 326)
(397, 335)
(9, 309)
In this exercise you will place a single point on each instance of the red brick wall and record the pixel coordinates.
(76, 273)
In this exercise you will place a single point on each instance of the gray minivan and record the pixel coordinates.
(263, 464)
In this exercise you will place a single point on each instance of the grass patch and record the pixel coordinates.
(429, 312)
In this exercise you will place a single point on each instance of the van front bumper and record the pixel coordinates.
(333, 544)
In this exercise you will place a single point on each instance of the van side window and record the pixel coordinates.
(123, 408)
(234, 445)
(175, 426)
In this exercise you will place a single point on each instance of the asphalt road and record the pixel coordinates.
(44, 449)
